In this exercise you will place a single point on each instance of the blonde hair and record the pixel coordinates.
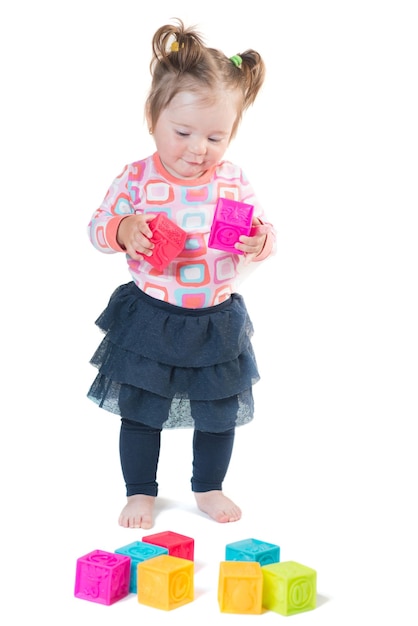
(181, 62)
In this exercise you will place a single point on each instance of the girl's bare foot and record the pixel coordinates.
(217, 506)
(138, 512)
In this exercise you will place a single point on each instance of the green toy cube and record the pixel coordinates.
(288, 587)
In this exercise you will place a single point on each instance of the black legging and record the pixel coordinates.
(139, 447)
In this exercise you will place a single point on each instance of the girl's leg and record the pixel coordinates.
(211, 456)
(139, 447)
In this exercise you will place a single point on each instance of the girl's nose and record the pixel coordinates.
(198, 146)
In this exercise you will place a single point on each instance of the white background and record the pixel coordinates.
(328, 469)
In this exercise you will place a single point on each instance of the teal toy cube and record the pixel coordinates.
(252, 550)
(139, 551)
(102, 577)
(288, 587)
(176, 544)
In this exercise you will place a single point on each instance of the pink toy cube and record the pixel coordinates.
(232, 219)
(168, 240)
(177, 545)
(102, 577)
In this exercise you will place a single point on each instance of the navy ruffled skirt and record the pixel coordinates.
(168, 366)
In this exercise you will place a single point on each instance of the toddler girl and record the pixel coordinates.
(177, 346)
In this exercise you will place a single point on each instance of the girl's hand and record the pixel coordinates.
(134, 235)
(253, 244)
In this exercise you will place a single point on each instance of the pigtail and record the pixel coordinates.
(253, 71)
(177, 47)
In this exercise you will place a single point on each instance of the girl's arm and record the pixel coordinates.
(104, 224)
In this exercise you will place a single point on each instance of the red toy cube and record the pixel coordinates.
(168, 240)
(177, 545)
(102, 577)
(231, 220)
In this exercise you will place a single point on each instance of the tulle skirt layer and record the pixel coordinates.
(168, 366)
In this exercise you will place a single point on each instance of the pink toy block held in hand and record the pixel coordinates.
(232, 219)
(168, 240)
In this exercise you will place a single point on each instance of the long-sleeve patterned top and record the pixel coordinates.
(200, 276)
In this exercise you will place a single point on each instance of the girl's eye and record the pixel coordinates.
(181, 134)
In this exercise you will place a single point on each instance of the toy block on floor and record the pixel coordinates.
(252, 550)
(231, 220)
(176, 544)
(168, 240)
(139, 551)
(165, 582)
(240, 587)
(102, 577)
(289, 587)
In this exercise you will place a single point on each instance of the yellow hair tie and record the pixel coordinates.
(175, 46)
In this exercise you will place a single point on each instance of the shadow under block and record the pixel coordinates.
(176, 544)
(102, 577)
(139, 551)
(165, 582)
(240, 587)
(231, 220)
(288, 588)
(252, 550)
(168, 240)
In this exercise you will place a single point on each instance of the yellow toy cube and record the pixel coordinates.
(165, 582)
(240, 587)
(288, 587)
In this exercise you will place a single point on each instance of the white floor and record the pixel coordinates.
(335, 492)
(328, 469)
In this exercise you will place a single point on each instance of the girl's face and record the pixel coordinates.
(192, 133)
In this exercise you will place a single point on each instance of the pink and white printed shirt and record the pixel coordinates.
(199, 276)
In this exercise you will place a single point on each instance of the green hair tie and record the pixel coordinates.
(236, 60)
